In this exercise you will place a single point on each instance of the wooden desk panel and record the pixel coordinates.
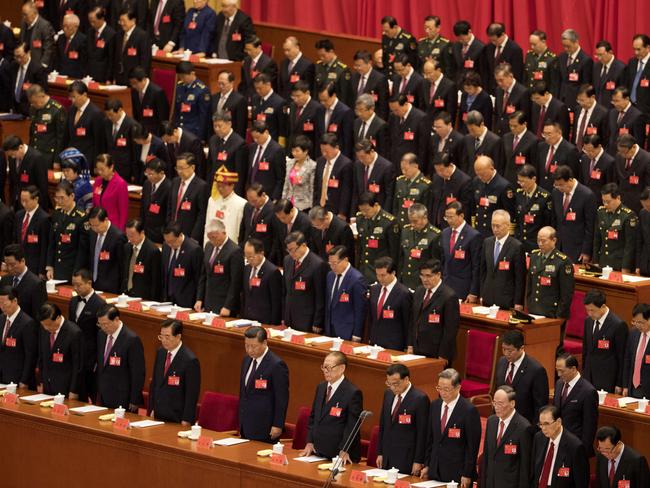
(97, 96)
(207, 73)
(220, 353)
(621, 297)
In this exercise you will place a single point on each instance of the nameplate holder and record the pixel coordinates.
(347, 349)
(357, 476)
(218, 323)
(10, 398)
(297, 339)
(279, 459)
(616, 277)
(122, 423)
(466, 308)
(503, 315)
(611, 402)
(184, 315)
(60, 410)
(205, 442)
(64, 291)
(402, 484)
(135, 306)
(384, 357)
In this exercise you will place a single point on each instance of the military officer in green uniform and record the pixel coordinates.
(47, 125)
(419, 242)
(411, 187)
(533, 208)
(541, 63)
(330, 68)
(394, 41)
(378, 235)
(616, 229)
(68, 245)
(192, 104)
(435, 46)
(550, 282)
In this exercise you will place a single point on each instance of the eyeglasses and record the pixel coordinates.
(328, 369)
(447, 389)
(541, 425)
(394, 384)
(499, 404)
(636, 323)
(163, 337)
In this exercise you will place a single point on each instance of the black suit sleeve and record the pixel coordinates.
(451, 320)
(30, 344)
(354, 410)
(192, 388)
(137, 370)
(422, 414)
(280, 378)
(236, 280)
(77, 361)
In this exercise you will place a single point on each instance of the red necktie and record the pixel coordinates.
(628, 163)
(329, 393)
(506, 96)
(52, 339)
(403, 85)
(395, 413)
(23, 229)
(6, 330)
(612, 471)
(546, 470)
(565, 393)
(452, 241)
(540, 122)
(168, 362)
(178, 199)
(443, 420)
(365, 178)
(511, 374)
(107, 350)
(380, 304)
(298, 113)
(549, 159)
(638, 361)
(497, 56)
(502, 427)
(566, 202)
(581, 129)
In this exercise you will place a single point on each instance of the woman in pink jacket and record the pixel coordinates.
(110, 191)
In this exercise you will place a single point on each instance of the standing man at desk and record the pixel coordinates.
(233, 28)
(617, 464)
(176, 381)
(263, 389)
(29, 288)
(181, 260)
(336, 408)
(636, 369)
(133, 48)
(192, 104)
(198, 28)
(165, 23)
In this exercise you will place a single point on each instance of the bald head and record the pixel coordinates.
(484, 168)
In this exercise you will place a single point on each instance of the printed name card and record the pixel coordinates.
(64, 291)
(218, 323)
(184, 315)
(205, 442)
(279, 459)
(466, 308)
(60, 410)
(297, 339)
(611, 402)
(347, 349)
(616, 276)
(135, 305)
(122, 423)
(357, 476)
(385, 357)
(10, 398)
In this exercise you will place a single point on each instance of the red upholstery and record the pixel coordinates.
(219, 412)
(268, 49)
(300, 430)
(479, 363)
(145, 399)
(64, 101)
(575, 325)
(371, 455)
(165, 79)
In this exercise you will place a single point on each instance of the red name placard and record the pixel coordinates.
(60, 410)
(402, 484)
(616, 276)
(297, 339)
(279, 459)
(65, 292)
(205, 442)
(185, 315)
(218, 323)
(122, 423)
(347, 349)
(135, 305)
(10, 399)
(466, 308)
(611, 402)
(503, 315)
(357, 476)
(385, 357)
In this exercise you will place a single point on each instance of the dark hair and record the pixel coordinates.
(176, 325)
(390, 20)
(610, 432)
(262, 78)
(254, 41)
(472, 78)
(324, 44)
(259, 126)
(605, 44)
(167, 128)
(65, 186)
(129, 12)
(34, 193)
(297, 237)
(256, 244)
(98, 213)
(368, 198)
(100, 12)
(431, 264)
(136, 224)
(462, 28)
(563, 173)
(387, 263)
(644, 38)
(283, 205)
(539, 33)
(327, 87)
(330, 139)
(435, 19)
(113, 104)
(137, 73)
(340, 358)
(105, 158)
(49, 311)
(256, 332)
(642, 309)
(399, 98)
(400, 369)
(302, 142)
(9, 292)
(84, 274)
(155, 165)
(300, 85)
(109, 311)
(592, 139)
(594, 297)
(184, 68)
(257, 187)
(610, 189)
(138, 131)
(570, 360)
(15, 251)
(539, 88)
(78, 87)
(645, 194)
(339, 251)
(364, 145)
(587, 90)
(173, 228)
(457, 206)
(626, 141)
(553, 410)
(623, 91)
(444, 116)
(362, 55)
(527, 171)
(496, 29)
(518, 116)
(224, 116)
(231, 75)
(188, 157)
(12, 143)
(402, 58)
(514, 338)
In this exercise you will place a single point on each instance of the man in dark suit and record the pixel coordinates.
(408, 131)
(636, 370)
(577, 401)
(336, 408)
(346, 297)
(597, 167)
(233, 29)
(523, 373)
(188, 199)
(461, 254)
(372, 173)
(120, 362)
(165, 22)
(86, 126)
(258, 218)
(182, 259)
(179, 141)
(106, 251)
(70, 49)
(402, 423)
(29, 288)
(609, 73)
(491, 193)
(266, 161)
(389, 308)
(82, 310)
(480, 141)
(624, 119)
(519, 146)
(132, 48)
(499, 51)
(228, 100)
(305, 117)
(142, 275)
(507, 444)
(446, 142)
(7, 225)
(27, 167)
(547, 108)
(101, 39)
(261, 286)
(37, 33)
(642, 259)
(176, 380)
(338, 118)
(304, 279)
(467, 52)
(263, 389)
(287, 219)
(454, 434)
(553, 152)
(226, 148)
(19, 346)
(32, 230)
(328, 231)
(295, 67)
(368, 125)
(147, 147)
(449, 184)
(60, 354)
(558, 458)
(439, 92)
(367, 80)
(255, 63)
(591, 118)
(220, 282)
(632, 171)
(434, 317)
(408, 82)
(575, 68)
(575, 214)
(149, 101)
(638, 72)
(270, 108)
(155, 199)
(618, 464)
(24, 73)
(121, 146)
(603, 345)
(503, 266)
(333, 184)
(511, 96)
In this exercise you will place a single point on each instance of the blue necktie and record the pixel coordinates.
(497, 250)
(98, 249)
(19, 82)
(637, 79)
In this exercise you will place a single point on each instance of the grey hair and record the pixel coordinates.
(215, 225)
(474, 117)
(317, 213)
(570, 35)
(509, 391)
(501, 213)
(366, 101)
(450, 374)
(418, 210)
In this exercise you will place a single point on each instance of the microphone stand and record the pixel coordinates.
(346, 446)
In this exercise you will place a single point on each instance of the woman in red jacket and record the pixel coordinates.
(110, 191)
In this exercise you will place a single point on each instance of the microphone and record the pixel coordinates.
(365, 414)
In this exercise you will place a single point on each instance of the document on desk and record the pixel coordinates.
(38, 398)
(309, 459)
(87, 409)
(408, 357)
(230, 441)
(141, 424)
(428, 484)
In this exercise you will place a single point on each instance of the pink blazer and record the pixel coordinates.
(115, 199)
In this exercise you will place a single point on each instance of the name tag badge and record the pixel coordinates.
(264, 166)
(434, 318)
(373, 188)
(32, 239)
(407, 203)
(255, 282)
(186, 107)
(24, 178)
(439, 103)
(564, 472)
(510, 109)
(634, 180)
(552, 168)
(468, 64)
(66, 238)
(504, 265)
(459, 254)
(73, 54)
(147, 112)
(191, 26)
(57, 357)
(166, 19)
(186, 205)
(591, 130)
(10, 342)
(41, 128)
(222, 155)
(332, 128)
(131, 51)
(647, 358)
(623, 484)
(409, 136)
(220, 214)
(308, 127)
(104, 255)
(571, 216)
(388, 314)
(154, 208)
(173, 380)
(612, 235)
(603, 344)
(454, 433)
(236, 36)
(520, 160)
(114, 361)
(416, 253)
(405, 419)
(595, 174)
(610, 85)
(373, 243)
(121, 142)
(300, 285)
(510, 449)
(260, 384)
(623, 130)
(81, 132)
(179, 272)
(484, 202)
(644, 83)
(332, 183)
(218, 269)
(529, 219)
(261, 117)
(538, 75)
(138, 268)
(545, 281)
(37, 44)
(573, 76)
(100, 44)
(344, 298)
(260, 228)
(295, 77)
(336, 411)
(410, 98)
(449, 200)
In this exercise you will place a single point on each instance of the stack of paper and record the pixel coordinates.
(408, 357)
(87, 409)
(309, 459)
(38, 398)
(146, 423)
(230, 441)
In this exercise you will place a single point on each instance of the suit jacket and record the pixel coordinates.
(71, 56)
(605, 85)
(302, 70)
(110, 263)
(579, 411)
(280, 232)
(444, 99)
(61, 365)
(345, 309)
(241, 29)
(41, 41)
(152, 109)
(87, 322)
(261, 227)
(457, 187)
(122, 149)
(597, 124)
(339, 185)
(263, 400)
(556, 111)
(35, 74)
(120, 379)
(518, 99)
(341, 123)
(570, 454)
(482, 103)
(410, 136)
(403, 437)
(233, 154)
(642, 92)
(114, 199)
(461, 270)
(153, 209)
(632, 467)
(265, 65)
(173, 395)
(604, 172)
(188, 142)
(171, 22)
(89, 134)
(632, 180)
(511, 53)
(449, 458)
(101, 54)
(490, 146)
(381, 182)
(414, 89)
(305, 292)
(575, 236)
(628, 366)
(264, 302)
(139, 7)
(472, 60)
(220, 283)
(643, 238)
(7, 223)
(573, 76)
(337, 233)
(147, 271)
(270, 170)
(19, 351)
(501, 465)
(453, 148)
(308, 124)
(36, 239)
(633, 122)
(271, 111)
(376, 131)
(434, 325)
(180, 281)
(389, 327)
(566, 154)
(603, 353)
(191, 210)
(136, 52)
(30, 290)
(530, 382)
(329, 427)
(503, 283)
(525, 152)
(377, 86)
(237, 105)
